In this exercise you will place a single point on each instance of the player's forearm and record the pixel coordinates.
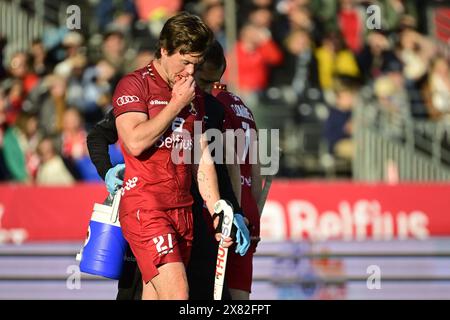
(256, 183)
(98, 152)
(233, 168)
(207, 183)
(234, 171)
(98, 141)
(138, 136)
(225, 187)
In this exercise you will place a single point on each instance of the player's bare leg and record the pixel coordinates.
(171, 282)
(237, 294)
(149, 291)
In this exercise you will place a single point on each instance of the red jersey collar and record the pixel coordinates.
(220, 86)
(156, 76)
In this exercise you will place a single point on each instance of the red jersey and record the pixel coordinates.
(239, 116)
(254, 66)
(152, 180)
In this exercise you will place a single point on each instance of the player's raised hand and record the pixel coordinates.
(183, 91)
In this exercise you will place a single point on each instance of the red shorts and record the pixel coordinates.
(158, 237)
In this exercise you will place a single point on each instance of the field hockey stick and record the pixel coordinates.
(221, 262)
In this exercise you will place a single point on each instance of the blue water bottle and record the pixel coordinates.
(105, 247)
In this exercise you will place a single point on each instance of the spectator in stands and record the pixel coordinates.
(338, 126)
(149, 10)
(19, 69)
(118, 15)
(371, 57)
(246, 7)
(73, 135)
(271, 17)
(156, 12)
(29, 138)
(391, 92)
(256, 53)
(398, 13)
(144, 55)
(334, 59)
(299, 16)
(326, 14)
(114, 51)
(19, 148)
(261, 17)
(73, 44)
(49, 103)
(21, 82)
(389, 87)
(52, 170)
(75, 92)
(214, 17)
(351, 21)
(11, 93)
(416, 52)
(42, 63)
(437, 89)
(299, 70)
(13, 156)
(74, 149)
(97, 85)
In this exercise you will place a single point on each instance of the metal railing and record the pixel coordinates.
(395, 147)
(22, 21)
(18, 26)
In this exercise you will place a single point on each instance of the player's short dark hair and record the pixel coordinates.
(215, 56)
(186, 32)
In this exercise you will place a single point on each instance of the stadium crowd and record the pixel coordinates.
(290, 53)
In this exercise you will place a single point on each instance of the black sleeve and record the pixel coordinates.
(215, 115)
(99, 138)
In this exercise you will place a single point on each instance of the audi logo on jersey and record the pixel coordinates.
(126, 99)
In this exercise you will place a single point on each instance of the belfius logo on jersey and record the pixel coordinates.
(179, 139)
